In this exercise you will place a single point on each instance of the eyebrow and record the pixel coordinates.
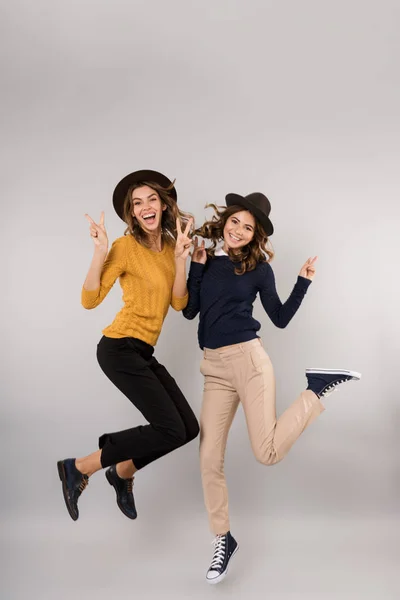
(149, 196)
(247, 224)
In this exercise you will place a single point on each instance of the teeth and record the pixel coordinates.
(149, 217)
(234, 238)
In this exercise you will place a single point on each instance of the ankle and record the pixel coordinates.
(82, 467)
(312, 388)
(125, 472)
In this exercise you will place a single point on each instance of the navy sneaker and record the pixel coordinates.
(225, 547)
(325, 381)
(124, 491)
(73, 484)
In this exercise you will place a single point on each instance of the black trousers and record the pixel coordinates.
(129, 363)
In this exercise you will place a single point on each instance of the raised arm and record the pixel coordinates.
(104, 268)
(199, 258)
(182, 249)
(282, 313)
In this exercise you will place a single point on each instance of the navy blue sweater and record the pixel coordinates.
(225, 301)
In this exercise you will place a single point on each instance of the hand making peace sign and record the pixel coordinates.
(98, 232)
(199, 253)
(183, 241)
(308, 269)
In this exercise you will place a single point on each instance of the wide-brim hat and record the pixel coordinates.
(257, 204)
(147, 176)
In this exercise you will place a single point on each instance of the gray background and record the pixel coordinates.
(297, 99)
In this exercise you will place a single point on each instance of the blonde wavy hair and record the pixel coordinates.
(168, 218)
(258, 250)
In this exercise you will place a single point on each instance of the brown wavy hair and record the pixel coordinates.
(257, 251)
(168, 217)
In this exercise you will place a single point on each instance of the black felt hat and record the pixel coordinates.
(147, 176)
(257, 204)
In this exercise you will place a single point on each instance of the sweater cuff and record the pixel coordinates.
(303, 283)
(179, 303)
(196, 269)
(89, 297)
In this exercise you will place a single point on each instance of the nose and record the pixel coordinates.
(238, 230)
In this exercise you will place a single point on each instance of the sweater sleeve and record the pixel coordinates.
(179, 303)
(281, 314)
(114, 266)
(194, 285)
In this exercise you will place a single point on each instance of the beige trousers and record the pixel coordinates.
(243, 373)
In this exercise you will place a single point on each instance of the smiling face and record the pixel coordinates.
(239, 230)
(147, 208)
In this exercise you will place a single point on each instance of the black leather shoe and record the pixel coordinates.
(124, 491)
(73, 484)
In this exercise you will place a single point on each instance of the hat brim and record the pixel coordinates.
(147, 176)
(236, 199)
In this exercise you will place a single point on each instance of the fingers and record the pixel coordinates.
(198, 250)
(309, 265)
(311, 260)
(188, 227)
(93, 224)
(96, 230)
(89, 219)
(308, 269)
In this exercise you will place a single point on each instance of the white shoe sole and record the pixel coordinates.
(225, 573)
(352, 374)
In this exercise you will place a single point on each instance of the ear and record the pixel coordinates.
(164, 207)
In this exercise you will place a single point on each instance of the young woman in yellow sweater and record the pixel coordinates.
(150, 262)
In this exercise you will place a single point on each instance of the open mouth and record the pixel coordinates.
(150, 219)
(234, 238)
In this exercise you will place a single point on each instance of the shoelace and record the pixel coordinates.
(332, 387)
(83, 484)
(129, 485)
(219, 552)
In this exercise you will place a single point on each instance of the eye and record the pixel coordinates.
(234, 221)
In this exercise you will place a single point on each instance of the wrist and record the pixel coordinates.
(99, 257)
(101, 251)
(180, 262)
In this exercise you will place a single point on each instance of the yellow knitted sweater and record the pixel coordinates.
(146, 278)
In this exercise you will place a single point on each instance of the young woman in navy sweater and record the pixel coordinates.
(223, 284)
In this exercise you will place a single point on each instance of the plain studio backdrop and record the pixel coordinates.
(299, 100)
